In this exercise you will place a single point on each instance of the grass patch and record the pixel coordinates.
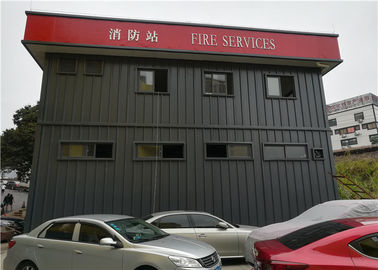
(362, 170)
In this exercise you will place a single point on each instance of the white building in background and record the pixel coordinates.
(353, 122)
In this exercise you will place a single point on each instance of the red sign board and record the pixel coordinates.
(47, 28)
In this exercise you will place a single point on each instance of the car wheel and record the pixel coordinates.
(145, 268)
(27, 265)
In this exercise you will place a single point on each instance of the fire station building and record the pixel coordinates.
(144, 116)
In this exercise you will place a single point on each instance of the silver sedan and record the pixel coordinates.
(226, 238)
(106, 242)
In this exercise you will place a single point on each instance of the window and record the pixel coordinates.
(229, 151)
(317, 154)
(67, 65)
(332, 122)
(359, 116)
(59, 231)
(86, 150)
(153, 80)
(367, 245)
(172, 222)
(216, 150)
(280, 86)
(285, 151)
(136, 230)
(160, 150)
(369, 126)
(93, 67)
(347, 130)
(92, 234)
(310, 234)
(218, 83)
(331, 132)
(348, 142)
(203, 221)
(373, 138)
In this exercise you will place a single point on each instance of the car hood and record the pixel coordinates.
(180, 246)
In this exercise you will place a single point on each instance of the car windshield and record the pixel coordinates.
(136, 230)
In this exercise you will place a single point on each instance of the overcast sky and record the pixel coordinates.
(355, 22)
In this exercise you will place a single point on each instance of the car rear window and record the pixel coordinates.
(310, 234)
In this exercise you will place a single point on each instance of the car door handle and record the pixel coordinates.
(202, 235)
(78, 251)
(40, 246)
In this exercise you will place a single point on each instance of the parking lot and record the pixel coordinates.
(21, 197)
(230, 264)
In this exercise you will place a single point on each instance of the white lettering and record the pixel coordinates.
(225, 43)
(194, 37)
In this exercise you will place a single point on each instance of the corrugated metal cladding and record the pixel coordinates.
(109, 108)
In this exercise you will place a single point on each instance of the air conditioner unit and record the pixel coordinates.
(357, 133)
(360, 120)
(343, 135)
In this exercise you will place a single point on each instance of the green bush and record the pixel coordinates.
(363, 171)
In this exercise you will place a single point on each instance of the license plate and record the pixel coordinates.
(218, 268)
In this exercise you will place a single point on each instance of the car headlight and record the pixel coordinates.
(184, 262)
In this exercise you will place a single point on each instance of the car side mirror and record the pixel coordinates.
(222, 225)
(107, 241)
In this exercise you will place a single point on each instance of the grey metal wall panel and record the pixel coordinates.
(109, 108)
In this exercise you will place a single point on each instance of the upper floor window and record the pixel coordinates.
(347, 130)
(160, 150)
(229, 150)
(86, 150)
(285, 151)
(332, 122)
(153, 80)
(67, 65)
(280, 86)
(93, 67)
(218, 83)
(369, 126)
(359, 116)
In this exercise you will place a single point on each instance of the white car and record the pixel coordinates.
(330, 210)
(228, 239)
(106, 242)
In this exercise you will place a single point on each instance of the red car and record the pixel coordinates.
(350, 243)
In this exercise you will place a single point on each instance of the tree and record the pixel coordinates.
(17, 143)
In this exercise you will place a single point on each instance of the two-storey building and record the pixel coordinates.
(144, 116)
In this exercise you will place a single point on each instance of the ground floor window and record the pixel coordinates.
(285, 152)
(159, 151)
(229, 151)
(347, 142)
(86, 150)
(373, 138)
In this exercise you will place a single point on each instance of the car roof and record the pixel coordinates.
(177, 212)
(98, 217)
